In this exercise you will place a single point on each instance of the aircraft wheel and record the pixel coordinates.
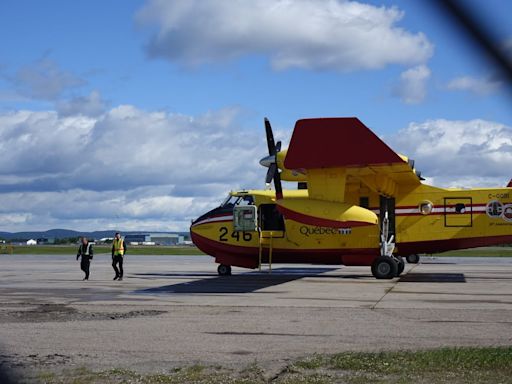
(400, 265)
(413, 259)
(384, 268)
(224, 270)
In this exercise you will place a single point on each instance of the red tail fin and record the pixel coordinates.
(509, 184)
(336, 142)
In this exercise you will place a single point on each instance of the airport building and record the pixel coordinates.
(162, 238)
(46, 240)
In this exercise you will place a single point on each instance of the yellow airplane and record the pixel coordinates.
(358, 203)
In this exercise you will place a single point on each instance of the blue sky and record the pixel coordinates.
(183, 86)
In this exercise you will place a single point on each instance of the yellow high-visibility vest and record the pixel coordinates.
(118, 247)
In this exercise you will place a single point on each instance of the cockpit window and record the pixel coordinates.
(231, 201)
(246, 200)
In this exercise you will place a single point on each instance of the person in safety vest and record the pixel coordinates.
(118, 252)
(85, 251)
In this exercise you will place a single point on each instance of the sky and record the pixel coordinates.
(143, 114)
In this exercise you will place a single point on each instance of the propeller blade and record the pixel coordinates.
(273, 170)
(277, 184)
(270, 138)
(270, 173)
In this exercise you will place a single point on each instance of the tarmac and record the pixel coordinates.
(173, 311)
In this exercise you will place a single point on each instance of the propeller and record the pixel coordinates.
(270, 161)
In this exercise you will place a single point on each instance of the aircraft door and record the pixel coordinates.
(245, 218)
(270, 219)
(458, 212)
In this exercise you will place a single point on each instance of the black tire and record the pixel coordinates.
(384, 267)
(412, 259)
(400, 265)
(224, 270)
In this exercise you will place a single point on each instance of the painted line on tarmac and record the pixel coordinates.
(397, 279)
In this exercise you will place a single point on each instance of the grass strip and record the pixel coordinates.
(444, 365)
(479, 252)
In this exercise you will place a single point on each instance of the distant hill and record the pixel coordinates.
(65, 233)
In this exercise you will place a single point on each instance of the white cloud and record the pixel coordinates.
(127, 168)
(412, 88)
(138, 209)
(131, 169)
(41, 143)
(481, 86)
(459, 153)
(14, 219)
(308, 34)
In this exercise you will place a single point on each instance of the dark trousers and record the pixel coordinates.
(117, 259)
(84, 265)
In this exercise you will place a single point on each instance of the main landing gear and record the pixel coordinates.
(413, 259)
(387, 265)
(224, 270)
(401, 265)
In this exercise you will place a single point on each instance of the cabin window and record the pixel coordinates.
(426, 207)
(364, 202)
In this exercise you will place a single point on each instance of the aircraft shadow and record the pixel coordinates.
(438, 262)
(171, 274)
(433, 278)
(239, 283)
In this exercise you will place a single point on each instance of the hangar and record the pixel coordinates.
(155, 238)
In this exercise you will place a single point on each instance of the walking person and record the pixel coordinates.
(85, 251)
(118, 252)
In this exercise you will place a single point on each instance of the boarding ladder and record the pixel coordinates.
(265, 241)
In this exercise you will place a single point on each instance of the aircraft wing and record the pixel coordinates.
(332, 149)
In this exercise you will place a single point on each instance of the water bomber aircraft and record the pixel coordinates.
(357, 203)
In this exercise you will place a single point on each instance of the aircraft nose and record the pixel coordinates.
(268, 160)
